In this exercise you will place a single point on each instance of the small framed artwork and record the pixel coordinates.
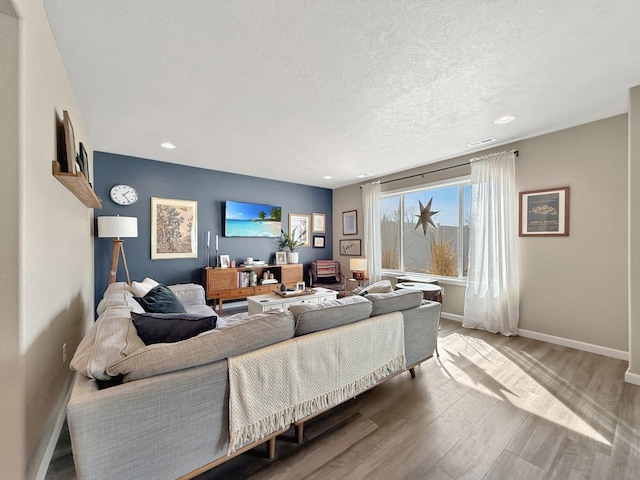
(224, 261)
(174, 228)
(301, 223)
(544, 213)
(69, 142)
(300, 286)
(281, 258)
(318, 241)
(351, 247)
(318, 221)
(83, 161)
(350, 222)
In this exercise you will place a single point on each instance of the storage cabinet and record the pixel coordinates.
(226, 283)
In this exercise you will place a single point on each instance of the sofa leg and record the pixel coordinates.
(412, 371)
(271, 448)
(299, 432)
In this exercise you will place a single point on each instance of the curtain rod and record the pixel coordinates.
(435, 171)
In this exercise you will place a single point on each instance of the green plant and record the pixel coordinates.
(290, 241)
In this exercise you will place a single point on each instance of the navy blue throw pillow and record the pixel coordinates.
(161, 299)
(171, 327)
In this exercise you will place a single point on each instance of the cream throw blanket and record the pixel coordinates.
(275, 386)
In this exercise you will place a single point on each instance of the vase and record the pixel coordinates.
(292, 257)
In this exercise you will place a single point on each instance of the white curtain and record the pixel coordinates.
(372, 240)
(492, 299)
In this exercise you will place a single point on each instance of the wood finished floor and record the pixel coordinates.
(490, 407)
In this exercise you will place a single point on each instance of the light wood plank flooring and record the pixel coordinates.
(490, 407)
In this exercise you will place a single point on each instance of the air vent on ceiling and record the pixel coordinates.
(479, 143)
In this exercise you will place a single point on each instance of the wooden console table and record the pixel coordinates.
(224, 283)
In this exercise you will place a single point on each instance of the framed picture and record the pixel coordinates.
(69, 142)
(301, 223)
(300, 286)
(318, 221)
(350, 222)
(281, 258)
(83, 161)
(174, 228)
(224, 261)
(544, 213)
(351, 247)
(318, 241)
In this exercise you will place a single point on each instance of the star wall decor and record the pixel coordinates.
(425, 216)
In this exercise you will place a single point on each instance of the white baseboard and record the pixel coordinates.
(567, 342)
(55, 434)
(452, 316)
(632, 378)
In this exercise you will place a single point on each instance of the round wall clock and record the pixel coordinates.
(123, 194)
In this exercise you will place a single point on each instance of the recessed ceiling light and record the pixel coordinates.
(327, 177)
(504, 119)
(168, 146)
(364, 175)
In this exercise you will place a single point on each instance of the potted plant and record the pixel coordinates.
(291, 242)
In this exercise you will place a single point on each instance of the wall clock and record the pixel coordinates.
(123, 194)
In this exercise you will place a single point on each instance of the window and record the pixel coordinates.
(444, 249)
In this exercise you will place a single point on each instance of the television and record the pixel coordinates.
(251, 220)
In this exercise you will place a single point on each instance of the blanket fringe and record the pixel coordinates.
(291, 414)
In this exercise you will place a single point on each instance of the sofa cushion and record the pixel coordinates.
(189, 294)
(161, 299)
(395, 301)
(140, 289)
(110, 338)
(243, 335)
(313, 317)
(383, 286)
(171, 327)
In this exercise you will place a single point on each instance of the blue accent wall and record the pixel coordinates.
(210, 188)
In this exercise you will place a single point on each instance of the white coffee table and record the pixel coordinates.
(262, 303)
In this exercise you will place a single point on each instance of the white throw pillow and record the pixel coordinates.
(383, 286)
(140, 289)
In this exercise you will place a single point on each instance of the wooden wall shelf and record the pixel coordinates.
(77, 184)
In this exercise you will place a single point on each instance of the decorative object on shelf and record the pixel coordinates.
(424, 218)
(281, 258)
(116, 228)
(174, 228)
(358, 266)
(207, 253)
(544, 213)
(123, 195)
(233, 264)
(283, 287)
(350, 222)
(69, 143)
(318, 241)
(300, 222)
(217, 257)
(292, 241)
(300, 286)
(224, 261)
(318, 222)
(351, 247)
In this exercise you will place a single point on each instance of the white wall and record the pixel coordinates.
(572, 287)
(54, 242)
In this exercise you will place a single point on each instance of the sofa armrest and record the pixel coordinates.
(189, 293)
(421, 331)
(133, 430)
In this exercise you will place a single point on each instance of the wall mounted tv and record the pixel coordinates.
(251, 220)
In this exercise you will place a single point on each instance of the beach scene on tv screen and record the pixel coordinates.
(252, 220)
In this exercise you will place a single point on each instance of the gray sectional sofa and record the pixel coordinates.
(162, 410)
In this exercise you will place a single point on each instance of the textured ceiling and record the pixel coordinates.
(295, 90)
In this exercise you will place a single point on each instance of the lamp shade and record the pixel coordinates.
(116, 227)
(358, 264)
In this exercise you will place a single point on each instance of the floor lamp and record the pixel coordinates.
(117, 227)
